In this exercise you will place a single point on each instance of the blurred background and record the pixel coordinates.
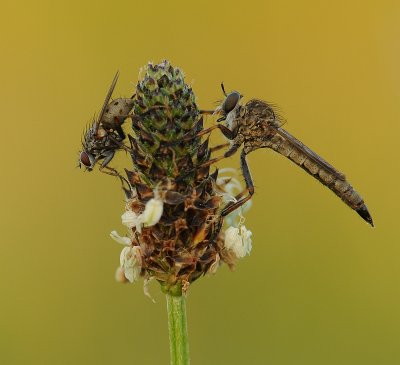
(320, 287)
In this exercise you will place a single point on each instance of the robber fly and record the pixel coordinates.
(255, 125)
(105, 135)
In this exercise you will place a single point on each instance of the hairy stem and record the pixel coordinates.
(177, 326)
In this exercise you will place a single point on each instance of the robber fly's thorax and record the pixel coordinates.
(254, 121)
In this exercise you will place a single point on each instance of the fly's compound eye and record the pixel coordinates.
(230, 102)
(84, 158)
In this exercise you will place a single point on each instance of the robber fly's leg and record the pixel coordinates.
(225, 131)
(235, 146)
(230, 207)
(211, 112)
(219, 147)
(202, 133)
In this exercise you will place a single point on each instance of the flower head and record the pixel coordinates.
(122, 240)
(150, 216)
(131, 262)
(238, 240)
(130, 219)
(174, 202)
(152, 212)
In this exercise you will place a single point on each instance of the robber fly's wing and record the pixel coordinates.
(265, 111)
(107, 99)
(309, 153)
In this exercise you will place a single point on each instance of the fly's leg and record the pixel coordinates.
(111, 171)
(120, 144)
(230, 207)
(120, 131)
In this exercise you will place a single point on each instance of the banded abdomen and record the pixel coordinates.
(284, 143)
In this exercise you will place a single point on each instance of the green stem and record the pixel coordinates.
(177, 326)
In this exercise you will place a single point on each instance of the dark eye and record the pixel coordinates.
(230, 102)
(84, 157)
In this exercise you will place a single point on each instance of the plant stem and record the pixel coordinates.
(177, 326)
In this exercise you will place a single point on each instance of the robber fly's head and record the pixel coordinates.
(230, 103)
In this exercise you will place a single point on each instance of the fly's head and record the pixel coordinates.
(87, 160)
(96, 137)
(94, 141)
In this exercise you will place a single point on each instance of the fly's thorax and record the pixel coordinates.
(101, 133)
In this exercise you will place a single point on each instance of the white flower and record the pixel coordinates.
(150, 216)
(238, 240)
(152, 212)
(122, 240)
(231, 187)
(131, 219)
(130, 261)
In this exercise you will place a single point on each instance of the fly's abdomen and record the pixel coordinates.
(116, 113)
(288, 146)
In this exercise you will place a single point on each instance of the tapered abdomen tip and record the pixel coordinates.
(364, 214)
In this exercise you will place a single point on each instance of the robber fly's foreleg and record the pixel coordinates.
(230, 207)
(219, 147)
(210, 112)
(237, 142)
(225, 131)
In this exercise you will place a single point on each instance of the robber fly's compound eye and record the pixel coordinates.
(84, 158)
(230, 102)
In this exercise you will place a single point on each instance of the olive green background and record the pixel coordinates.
(320, 287)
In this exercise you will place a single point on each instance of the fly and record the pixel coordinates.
(105, 136)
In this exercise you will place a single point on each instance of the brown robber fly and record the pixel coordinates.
(255, 125)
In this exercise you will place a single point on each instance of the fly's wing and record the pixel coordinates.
(309, 153)
(107, 99)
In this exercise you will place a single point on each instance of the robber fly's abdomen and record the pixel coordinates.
(294, 150)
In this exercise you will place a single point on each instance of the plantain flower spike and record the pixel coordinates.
(174, 205)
